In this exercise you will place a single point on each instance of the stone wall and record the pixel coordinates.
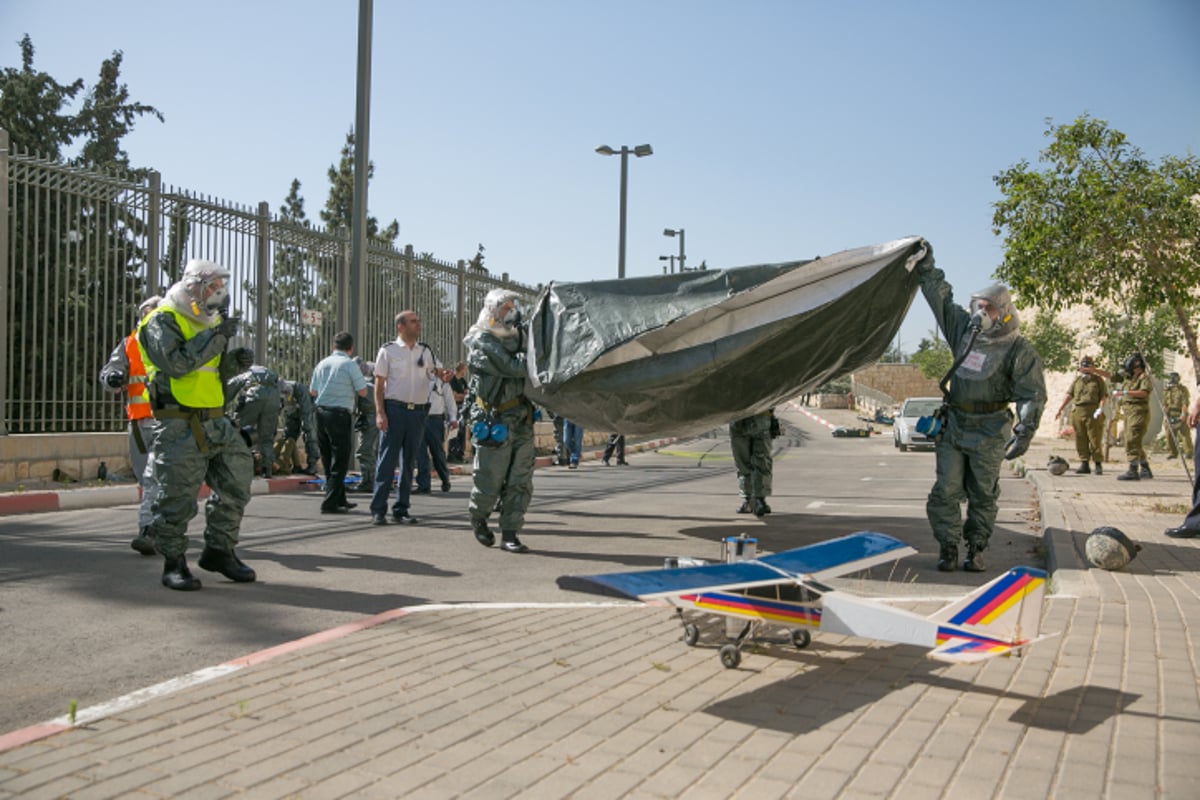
(899, 381)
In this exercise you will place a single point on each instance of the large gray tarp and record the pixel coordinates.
(677, 354)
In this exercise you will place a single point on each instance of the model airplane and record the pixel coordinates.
(1001, 617)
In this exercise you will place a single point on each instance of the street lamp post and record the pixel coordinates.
(639, 151)
(671, 259)
(682, 256)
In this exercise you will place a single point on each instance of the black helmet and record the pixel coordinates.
(1134, 361)
(1173, 378)
(1086, 361)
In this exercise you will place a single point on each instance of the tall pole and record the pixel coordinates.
(682, 257)
(355, 288)
(621, 240)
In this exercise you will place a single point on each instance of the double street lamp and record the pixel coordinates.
(639, 151)
(682, 256)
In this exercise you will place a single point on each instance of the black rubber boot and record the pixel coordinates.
(1099, 468)
(745, 507)
(948, 558)
(144, 542)
(483, 534)
(176, 575)
(509, 543)
(761, 509)
(1130, 474)
(227, 564)
(1146, 473)
(974, 562)
(1084, 469)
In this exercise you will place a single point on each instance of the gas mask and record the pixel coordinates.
(206, 286)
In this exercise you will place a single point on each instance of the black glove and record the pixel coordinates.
(115, 379)
(243, 357)
(1019, 443)
(228, 327)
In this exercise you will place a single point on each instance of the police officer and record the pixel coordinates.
(368, 435)
(996, 366)
(1087, 392)
(256, 410)
(750, 439)
(184, 346)
(1176, 400)
(501, 421)
(1135, 405)
(126, 371)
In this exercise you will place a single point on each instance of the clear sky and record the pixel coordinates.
(781, 130)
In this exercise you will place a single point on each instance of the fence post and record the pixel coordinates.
(343, 282)
(410, 275)
(153, 233)
(460, 312)
(262, 311)
(4, 260)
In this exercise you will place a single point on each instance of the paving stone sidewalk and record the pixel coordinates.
(589, 700)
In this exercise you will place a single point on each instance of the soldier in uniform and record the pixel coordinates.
(750, 439)
(256, 410)
(1175, 403)
(184, 345)
(1000, 367)
(1087, 392)
(1135, 405)
(125, 370)
(299, 416)
(501, 422)
(368, 434)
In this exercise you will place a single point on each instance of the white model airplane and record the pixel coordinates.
(1003, 616)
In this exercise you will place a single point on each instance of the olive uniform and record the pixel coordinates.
(367, 451)
(257, 409)
(1087, 393)
(1176, 401)
(1137, 419)
(750, 440)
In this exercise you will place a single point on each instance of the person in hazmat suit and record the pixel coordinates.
(367, 451)
(750, 440)
(501, 421)
(185, 346)
(256, 411)
(993, 367)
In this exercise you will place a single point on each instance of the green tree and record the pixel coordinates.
(1103, 225)
(1119, 335)
(1055, 342)
(933, 357)
(339, 207)
(34, 107)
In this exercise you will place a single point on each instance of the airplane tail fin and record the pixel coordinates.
(1003, 615)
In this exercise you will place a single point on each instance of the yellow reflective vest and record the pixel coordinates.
(200, 388)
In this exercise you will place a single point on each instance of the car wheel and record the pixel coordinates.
(903, 447)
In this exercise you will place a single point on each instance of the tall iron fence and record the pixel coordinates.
(79, 250)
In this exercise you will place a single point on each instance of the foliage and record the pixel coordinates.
(1103, 225)
(33, 107)
(933, 357)
(1119, 336)
(339, 206)
(1055, 342)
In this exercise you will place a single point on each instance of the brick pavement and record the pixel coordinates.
(584, 700)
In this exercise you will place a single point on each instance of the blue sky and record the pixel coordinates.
(781, 130)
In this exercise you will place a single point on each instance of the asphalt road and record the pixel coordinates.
(84, 618)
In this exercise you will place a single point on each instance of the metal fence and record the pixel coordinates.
(79, 250)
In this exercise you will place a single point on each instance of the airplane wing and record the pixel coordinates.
(825, 559)
(970, 650)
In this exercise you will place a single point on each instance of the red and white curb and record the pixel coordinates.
(812, 416)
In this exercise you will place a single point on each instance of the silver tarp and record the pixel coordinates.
(676, 354)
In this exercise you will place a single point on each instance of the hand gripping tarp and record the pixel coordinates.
(676, 354)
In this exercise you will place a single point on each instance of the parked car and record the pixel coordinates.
(904, 431)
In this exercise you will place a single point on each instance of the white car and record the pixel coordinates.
(904, 429)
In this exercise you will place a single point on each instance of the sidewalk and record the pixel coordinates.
(592, 700)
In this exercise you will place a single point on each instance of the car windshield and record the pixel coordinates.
(921, 408)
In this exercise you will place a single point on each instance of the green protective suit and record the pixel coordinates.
(180, 465)
(257, 405)
(1176, 401)
(503, 474)
(750, 440)
(1001, 368)
(1137, 417)
(368, 435)
(1087, 393)
(300, 414)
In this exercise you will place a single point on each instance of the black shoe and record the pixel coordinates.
(974, 562)
(1129, 475)
(404, 518)
(335, 510)
(307, 471)
(622, 463)
(425, 490)
(348, 506)
(379, 519)
(144, 542)
(445, 486)
(511, 544)
(227, 564)
(1182, 532)
(483, 534)
(744, 508)
(761, 508)
(1099, 468)
(606, 462)
(1084, 469)
(1146, 473)
(948, 558)
(176, 575)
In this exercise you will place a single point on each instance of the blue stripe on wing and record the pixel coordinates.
(834, 557)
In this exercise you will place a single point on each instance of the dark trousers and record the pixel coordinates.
(1192, 520)
(406, 429)
(333, 440)
(435, 431)
(616, 442)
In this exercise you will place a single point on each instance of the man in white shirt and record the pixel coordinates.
(403, 371)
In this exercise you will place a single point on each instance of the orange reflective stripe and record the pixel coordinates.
(137, 402)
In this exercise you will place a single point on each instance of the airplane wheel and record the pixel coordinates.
(730, 656)
(801, 638)
(691, 635)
